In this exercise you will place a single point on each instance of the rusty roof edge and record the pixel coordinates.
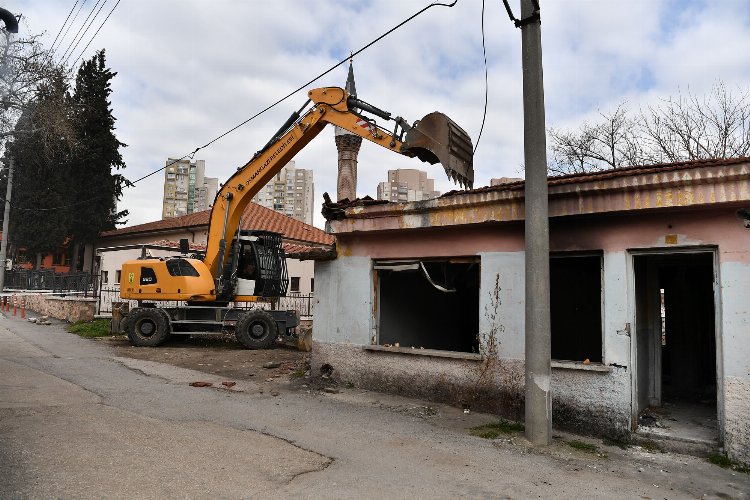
(413, 207)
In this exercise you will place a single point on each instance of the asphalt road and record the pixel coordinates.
(78, 422)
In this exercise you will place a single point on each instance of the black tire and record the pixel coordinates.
(148, 327)
(256, 330)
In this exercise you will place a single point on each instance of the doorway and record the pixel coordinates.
(676, 374)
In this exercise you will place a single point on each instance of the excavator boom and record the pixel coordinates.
(435, 138)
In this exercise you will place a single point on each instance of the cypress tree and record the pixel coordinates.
(97, 153)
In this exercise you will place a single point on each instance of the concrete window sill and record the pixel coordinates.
(425, 352)
(577, 365)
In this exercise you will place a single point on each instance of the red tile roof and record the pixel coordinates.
(254, 217)
(197, 247)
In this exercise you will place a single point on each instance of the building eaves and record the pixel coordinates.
(684, 184)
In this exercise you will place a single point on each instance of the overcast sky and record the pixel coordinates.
(188, 70)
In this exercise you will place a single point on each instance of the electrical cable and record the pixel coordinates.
(259, 113)
(82, 31)
(97, 32)
(486, 84)
(71, 22)
(52, 47)
(301, 87)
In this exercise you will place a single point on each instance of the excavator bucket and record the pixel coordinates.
(436, 138)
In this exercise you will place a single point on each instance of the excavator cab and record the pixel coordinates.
(261, 265)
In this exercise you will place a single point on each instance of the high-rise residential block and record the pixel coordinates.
(186, 188)
(407, 184)
(290, 192)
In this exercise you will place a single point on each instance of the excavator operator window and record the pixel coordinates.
(181, 267)
(248, 265)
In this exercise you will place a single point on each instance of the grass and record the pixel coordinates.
(620, 443)
(581, 446)
(496, 429)
(725, 462)
(651, 446)
(91, 329)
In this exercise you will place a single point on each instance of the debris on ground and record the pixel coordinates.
(201, 384)
(271, 364)
(40, 320)
(228, 384)
(331, 390)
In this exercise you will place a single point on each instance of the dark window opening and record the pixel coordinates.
(294, 284)
(181, 267)
(148, 276)
(576, 307)
(312, 285)
(248, 266)
(429, 304)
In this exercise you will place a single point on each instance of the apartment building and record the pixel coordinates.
(407, 184)
(186, 188)
(290, 192)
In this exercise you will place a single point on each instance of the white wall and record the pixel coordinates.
(304, 270)
(343, 301)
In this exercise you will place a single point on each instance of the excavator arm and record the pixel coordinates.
(214, 279)
(433, 139)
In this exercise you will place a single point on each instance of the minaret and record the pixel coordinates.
(347, 145)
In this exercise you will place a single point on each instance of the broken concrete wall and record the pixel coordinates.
(589, 401)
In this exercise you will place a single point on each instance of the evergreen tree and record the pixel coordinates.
(96, 188)
(39, 219)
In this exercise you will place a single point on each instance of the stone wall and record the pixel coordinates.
(70, 309)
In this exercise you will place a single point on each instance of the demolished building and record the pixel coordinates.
(650, 274)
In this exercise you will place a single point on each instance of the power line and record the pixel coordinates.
(486, 84)
(82, 31)
(267, 108)
(52, 47)
(97, 32)
(433, 4)
(71, 22)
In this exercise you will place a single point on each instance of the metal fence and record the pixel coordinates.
(302, 303)
(47, 279)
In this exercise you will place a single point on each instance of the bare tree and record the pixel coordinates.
(677, 129)
(610, 143)
(26, 67)
(689, 128)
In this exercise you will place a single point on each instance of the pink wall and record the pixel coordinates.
(608, 232)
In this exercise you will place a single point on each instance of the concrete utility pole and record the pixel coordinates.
(11, 25)
(6, 223)
(538, 346)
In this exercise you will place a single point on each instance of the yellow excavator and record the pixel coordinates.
(248, 266)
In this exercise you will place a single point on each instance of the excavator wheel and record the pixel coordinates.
(256, 330)
(147, 327)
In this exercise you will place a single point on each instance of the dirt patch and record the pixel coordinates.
(219, 355)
